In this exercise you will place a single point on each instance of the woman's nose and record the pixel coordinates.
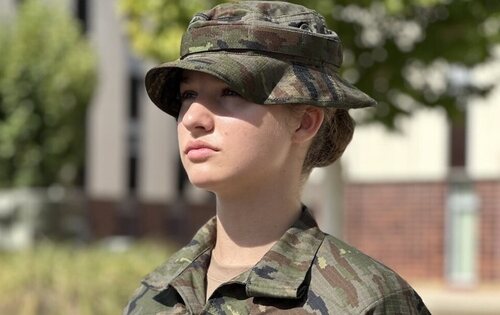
(198, 118)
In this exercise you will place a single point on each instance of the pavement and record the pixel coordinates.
(443, 300)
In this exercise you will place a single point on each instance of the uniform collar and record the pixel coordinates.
(203, 240)
(281, 273)
(283, 270)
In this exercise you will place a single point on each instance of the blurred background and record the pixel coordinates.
(93, 196)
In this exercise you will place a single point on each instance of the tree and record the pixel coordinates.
(47, 75)
(398, 51)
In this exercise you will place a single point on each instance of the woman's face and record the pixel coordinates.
(226, 142)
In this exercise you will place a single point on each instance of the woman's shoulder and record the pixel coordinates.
(347, 259)
(201, 243)
(153, 287)
(359, 282)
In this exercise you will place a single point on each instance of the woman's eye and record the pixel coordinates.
(229, 92)
(187, 95)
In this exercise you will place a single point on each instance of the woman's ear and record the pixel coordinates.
(309, 123)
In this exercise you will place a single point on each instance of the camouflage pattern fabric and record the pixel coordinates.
(305, 272)
(270, 52)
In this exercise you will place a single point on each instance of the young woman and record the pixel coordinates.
(258, 104)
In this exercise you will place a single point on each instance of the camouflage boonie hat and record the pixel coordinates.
(270, 52)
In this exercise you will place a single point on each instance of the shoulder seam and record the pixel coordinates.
(380, 299)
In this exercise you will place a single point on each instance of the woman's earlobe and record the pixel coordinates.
(309, 124)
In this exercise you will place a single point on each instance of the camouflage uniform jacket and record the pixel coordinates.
(305, 272)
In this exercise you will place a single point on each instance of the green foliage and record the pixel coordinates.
(384, 42)
(61, 280)
(156, 26)
(47, 75)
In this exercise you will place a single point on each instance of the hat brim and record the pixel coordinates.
(261, 79)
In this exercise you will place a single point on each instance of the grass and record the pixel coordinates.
(57, 279)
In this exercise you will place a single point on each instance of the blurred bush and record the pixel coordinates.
(61, 280)
(47, 75)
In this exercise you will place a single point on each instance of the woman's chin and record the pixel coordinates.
(205, 183)
(218, 186)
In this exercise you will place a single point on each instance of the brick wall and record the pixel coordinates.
(400, 224)
(102, 218)
(147, 220)
(489, 194)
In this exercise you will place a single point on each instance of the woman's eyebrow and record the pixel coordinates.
(185, 79)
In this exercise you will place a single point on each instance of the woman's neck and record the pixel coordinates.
(249, 224)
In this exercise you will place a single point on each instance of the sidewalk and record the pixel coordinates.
(442, 300)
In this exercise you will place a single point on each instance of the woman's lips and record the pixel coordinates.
(198, 151)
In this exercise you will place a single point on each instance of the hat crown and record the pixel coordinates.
(265, 13)
(277, 28)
